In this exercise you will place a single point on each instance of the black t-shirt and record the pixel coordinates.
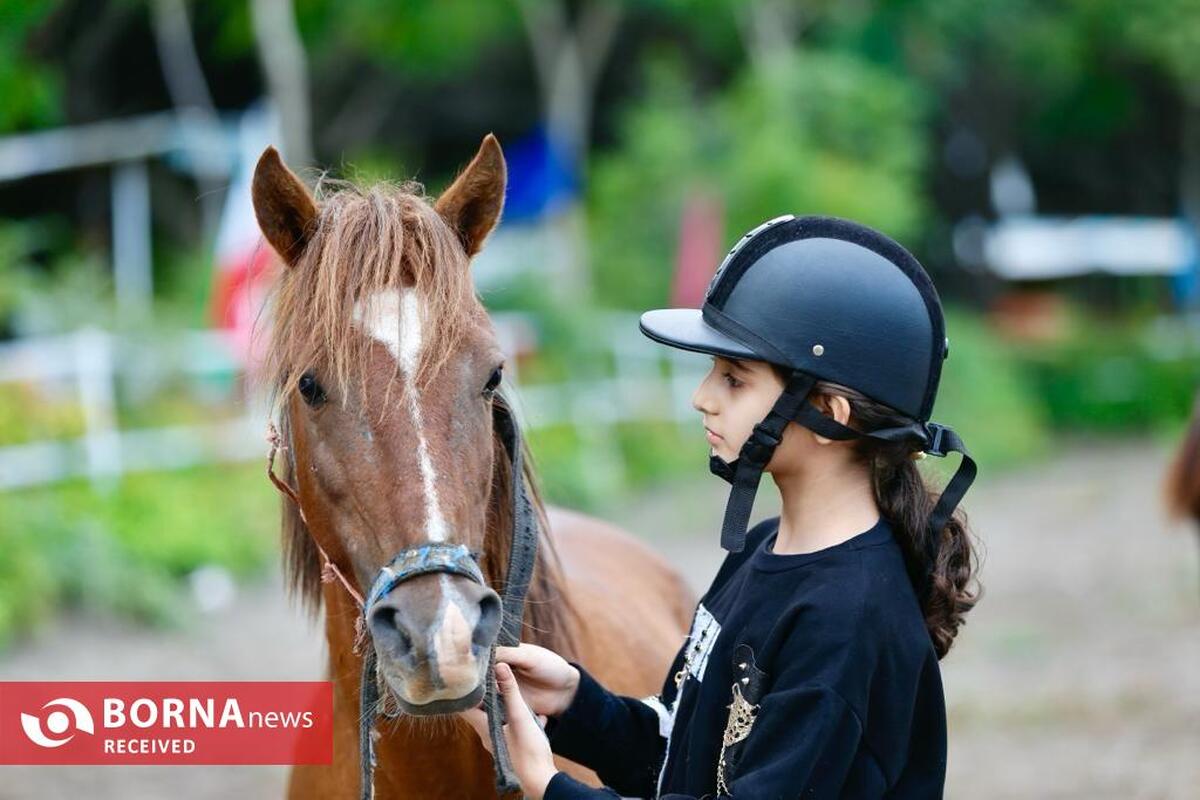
(804, 675)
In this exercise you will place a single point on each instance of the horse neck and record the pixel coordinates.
(414, 757)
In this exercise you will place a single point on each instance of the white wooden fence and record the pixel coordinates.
(639, 381)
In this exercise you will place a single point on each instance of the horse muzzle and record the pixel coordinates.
(433, 633)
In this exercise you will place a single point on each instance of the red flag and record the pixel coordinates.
(699, 255)
(245, 266)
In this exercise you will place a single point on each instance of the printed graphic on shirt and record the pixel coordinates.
(705, 630)
(666, 719)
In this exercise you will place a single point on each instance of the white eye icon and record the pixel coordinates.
(58, 722)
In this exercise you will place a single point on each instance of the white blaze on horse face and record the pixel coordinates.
(456, 664)
(393, 317)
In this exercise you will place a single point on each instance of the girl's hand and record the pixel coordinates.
(548, 682)
(528, 748)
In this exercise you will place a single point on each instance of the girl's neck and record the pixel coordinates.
(822, 508)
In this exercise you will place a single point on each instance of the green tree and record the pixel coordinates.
(806, 132)
(31, 89)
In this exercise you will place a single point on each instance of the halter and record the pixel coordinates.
(447, 558)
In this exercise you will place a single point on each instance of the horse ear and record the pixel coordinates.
(283, 205)
(473, 203)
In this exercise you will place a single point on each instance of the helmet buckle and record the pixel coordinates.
(760, 445)
(936, 432)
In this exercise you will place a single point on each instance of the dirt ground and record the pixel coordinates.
(1078, 675)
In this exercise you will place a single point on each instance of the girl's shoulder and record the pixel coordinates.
(861, 601)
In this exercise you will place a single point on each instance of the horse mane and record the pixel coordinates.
(368, 239)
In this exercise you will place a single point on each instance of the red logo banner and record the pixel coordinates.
(183, 722)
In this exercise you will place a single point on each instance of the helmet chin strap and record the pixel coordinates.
(745, 472)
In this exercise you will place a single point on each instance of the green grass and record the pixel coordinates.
(125, 551)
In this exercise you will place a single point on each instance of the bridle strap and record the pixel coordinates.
(525, 529)
(329, 570)
(521, 559)
(442, 557)
(369, 683)
(368, 702)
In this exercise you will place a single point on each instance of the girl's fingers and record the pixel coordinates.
(519, 715)
(521, 657)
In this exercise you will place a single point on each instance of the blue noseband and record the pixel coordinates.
(419, 560)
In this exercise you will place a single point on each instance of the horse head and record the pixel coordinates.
(385, 370)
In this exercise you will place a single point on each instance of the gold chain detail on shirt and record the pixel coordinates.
(741, 718)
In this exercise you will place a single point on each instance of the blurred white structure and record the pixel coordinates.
(1030, 248)
(193, 143)
(1022, 246)
(646, 382)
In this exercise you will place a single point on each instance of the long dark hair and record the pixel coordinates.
(905, 501)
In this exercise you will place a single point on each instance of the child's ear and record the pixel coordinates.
(835, 406)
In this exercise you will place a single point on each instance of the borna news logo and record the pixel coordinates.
(121, 722)
(74, 716)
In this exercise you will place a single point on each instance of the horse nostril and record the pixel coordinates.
(387, 625)
(491, 611)
(404, 643)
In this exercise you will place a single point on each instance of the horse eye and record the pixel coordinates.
(493, 382)
(310, 390)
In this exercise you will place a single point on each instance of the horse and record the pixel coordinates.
(386, 375)
(1182, 486)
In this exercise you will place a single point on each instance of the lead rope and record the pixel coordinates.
(369, 685)
(329, 570)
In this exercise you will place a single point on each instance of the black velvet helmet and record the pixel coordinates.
(827, 299)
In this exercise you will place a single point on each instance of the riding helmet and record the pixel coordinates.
(826, 299)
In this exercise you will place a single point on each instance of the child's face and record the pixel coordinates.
(734, 397)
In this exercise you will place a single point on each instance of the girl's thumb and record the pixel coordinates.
(513, 702)
(505, 679)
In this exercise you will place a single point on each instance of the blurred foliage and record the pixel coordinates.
(124, 551)
(1120, 375)
(48, 286)
(423, 37)
(29, 415)
(76, 291)
(30, 87)
(16, 273)
(592, 469)
(986, 396)
(811, 133)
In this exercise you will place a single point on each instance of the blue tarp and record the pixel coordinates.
(540, 180)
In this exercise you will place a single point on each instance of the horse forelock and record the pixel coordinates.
(368, 240)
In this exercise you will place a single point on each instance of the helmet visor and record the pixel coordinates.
(686, 329)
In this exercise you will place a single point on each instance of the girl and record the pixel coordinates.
(811, 668)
